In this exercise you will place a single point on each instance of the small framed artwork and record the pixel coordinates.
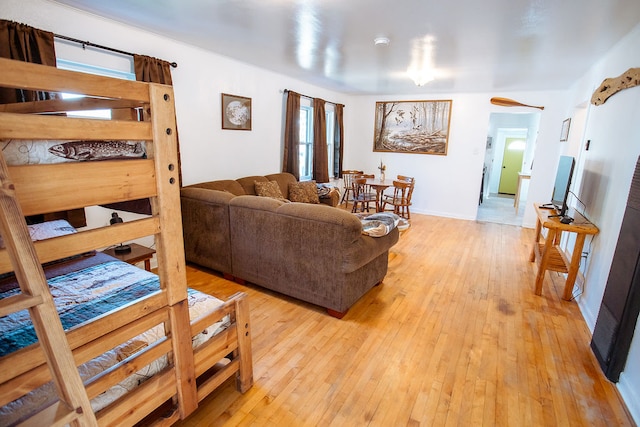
(236, 112)
(564, 133)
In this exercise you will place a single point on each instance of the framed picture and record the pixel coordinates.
(236, 112)
(564, 133)
(420, 127)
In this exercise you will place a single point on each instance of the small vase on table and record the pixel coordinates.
(382, 168)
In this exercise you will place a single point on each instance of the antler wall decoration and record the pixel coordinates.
(613, 85)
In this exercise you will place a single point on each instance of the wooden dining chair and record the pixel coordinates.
(405, 178)
(368, 189)
(362, 195)
(400, 201)
(347, 180)
(391, 191)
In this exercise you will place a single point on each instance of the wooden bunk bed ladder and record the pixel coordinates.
(73, 407)
(191, 373)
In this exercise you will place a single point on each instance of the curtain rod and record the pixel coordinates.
(110, 49)
(309, 97)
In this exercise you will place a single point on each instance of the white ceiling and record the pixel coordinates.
(470, 45)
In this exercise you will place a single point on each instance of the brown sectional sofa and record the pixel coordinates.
(313, 252)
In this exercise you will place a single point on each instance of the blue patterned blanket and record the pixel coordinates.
(79, 296)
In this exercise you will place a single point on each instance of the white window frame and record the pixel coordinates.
(330, 120)
(105, 114)
(305, 148)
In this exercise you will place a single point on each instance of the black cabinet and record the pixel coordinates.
(618, 314)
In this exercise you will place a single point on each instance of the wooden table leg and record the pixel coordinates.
(532, 256)
(379, 191)
(574, 267)
(546, 253)
(516, 200)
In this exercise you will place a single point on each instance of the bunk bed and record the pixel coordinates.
(153, 349)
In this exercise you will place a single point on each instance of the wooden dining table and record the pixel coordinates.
(379, 186)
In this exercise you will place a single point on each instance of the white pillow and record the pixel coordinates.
(47, 230)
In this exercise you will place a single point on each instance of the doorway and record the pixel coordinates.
(509, 133)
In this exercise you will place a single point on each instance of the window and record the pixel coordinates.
(90, 69)
(306, 141)
(305, 150)
(330, 118)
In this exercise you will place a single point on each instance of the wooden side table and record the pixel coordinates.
(138, 254)
(548, 252)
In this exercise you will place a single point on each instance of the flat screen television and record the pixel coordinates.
(562, 184)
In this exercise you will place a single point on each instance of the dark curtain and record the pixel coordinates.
(24, 43)
(320, 155)
(292, 135)
(150, 70)
(154, 70)
(338, 141)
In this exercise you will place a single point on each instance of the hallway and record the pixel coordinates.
(498, 208)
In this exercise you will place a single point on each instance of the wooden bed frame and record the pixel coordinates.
(36, 189)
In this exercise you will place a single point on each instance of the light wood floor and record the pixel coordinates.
(453, 336)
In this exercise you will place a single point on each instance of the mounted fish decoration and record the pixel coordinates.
(98, 150)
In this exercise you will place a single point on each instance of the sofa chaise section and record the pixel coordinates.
(314, 253)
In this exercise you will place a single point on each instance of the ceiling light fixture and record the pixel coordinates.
(421, 77)
(421, 69)
(381, 41)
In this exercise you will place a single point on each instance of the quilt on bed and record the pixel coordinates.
(84, 289)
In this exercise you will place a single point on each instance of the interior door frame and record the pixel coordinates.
(501, 136)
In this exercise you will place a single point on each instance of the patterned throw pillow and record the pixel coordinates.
(305, 192)
(268, 189)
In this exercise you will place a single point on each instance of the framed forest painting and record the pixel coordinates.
(420, 127)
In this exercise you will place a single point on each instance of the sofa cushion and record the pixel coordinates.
(228, 185)
(283, 179)
(248, 183)
(268, 189)
(304, 192)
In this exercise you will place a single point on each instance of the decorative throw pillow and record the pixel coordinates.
(305, 192)
(268, 189)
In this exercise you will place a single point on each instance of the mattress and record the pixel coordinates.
(84, 288)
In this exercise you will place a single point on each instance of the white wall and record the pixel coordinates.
(446, 185)
(604, 178)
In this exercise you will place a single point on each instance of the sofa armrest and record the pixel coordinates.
(366, 249)
(205, 223)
